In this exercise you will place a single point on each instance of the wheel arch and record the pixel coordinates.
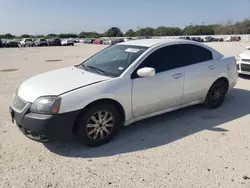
(116, 104)
(224, 79)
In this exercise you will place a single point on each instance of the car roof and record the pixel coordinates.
(154, 42)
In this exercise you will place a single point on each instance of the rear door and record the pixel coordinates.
(200, 71)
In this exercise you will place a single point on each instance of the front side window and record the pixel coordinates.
(163, 59)
(114, 60)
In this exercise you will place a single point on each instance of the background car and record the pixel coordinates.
(127, 39)
(54, 42)
(1, 43)
(11, 44)
(229, 39)
(208, 39)
(108, 42)
(41, 42)
(98, 41)
(243, 62)
(27, 42)
(185, 38)
(88, 41)
(197, 39)
(67, 42)
(236, 38)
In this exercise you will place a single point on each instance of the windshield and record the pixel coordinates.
(114, 60)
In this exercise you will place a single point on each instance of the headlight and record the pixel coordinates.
(46, 105)
(237, 58)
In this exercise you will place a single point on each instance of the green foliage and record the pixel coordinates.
(67, 35)
(237, 28)
(198, 30)
(51, 35)
(167, 31)
(147, 31)
(26, 36)
(7, 36)
(113, 32)
(89, 35)
(129, 33)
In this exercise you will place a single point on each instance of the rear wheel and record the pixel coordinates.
(216, 94)
(98, 125)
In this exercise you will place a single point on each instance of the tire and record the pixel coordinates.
(216, 94)
(89, 132)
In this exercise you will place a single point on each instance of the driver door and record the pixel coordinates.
(162, 91)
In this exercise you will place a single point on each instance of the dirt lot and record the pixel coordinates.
(193, 147)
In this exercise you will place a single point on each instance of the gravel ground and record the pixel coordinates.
(192, 147)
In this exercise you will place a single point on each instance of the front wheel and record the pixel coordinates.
(98, 125)
(216, 94)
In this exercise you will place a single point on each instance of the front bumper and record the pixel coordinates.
(41, 127)
(243, 67)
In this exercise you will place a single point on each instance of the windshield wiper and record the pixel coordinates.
(96, 69)
(80, 66)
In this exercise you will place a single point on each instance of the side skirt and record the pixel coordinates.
(163, 112)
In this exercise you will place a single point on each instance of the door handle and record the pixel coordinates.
(177, 75)
(211, 67)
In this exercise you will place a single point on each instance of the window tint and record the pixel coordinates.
(192, 54)
(174, 56)
(163, 59)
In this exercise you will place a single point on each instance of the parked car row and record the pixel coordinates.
(28, 42)
(206, 39)
(105, 41)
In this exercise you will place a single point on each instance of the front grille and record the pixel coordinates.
(18, 103)
(245, 60)
(245, 67)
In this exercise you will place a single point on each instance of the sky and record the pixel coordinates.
(73, 16)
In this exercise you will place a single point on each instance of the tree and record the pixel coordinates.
(198, 30)
(167, 31)
(89, 35)
(25, 36)
(51, 35)
(129, 33)
(7, 36)
(113, 32)
(147, 31)
(67, 35)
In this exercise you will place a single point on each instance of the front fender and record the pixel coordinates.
(118, 90)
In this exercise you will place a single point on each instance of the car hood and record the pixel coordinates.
(57, 82)
(245, 54)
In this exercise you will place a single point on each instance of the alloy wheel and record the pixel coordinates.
(100, 125)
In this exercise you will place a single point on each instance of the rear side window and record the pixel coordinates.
(192, 54)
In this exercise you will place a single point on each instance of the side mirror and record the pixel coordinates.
(248, 48)
(146, 72)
